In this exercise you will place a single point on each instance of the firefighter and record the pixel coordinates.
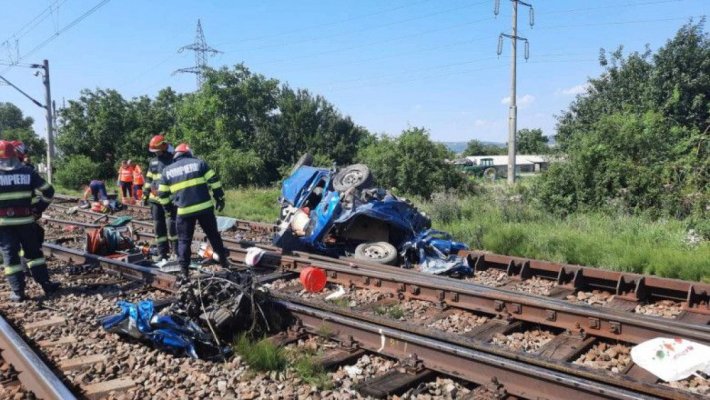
(138, 182)
(125, 178)
(188, 181)
(18, 184)
(165, 234)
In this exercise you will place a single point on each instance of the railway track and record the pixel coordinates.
(454, 328)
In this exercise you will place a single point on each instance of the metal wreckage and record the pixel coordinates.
(328, 211)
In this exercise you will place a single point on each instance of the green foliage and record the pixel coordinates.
(507, 221)
(15, 126)
(261, 355)
(105, 127)
(478, 148)
(393, 311)
(637, 141)
(411, 163)
(531, 141)
(307, 368)
(75, 171)
(253, 204)
(268, 126)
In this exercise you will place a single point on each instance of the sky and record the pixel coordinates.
(388, 64)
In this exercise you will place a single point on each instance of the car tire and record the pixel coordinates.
(353, 176)
(306, 159)
(379, 252)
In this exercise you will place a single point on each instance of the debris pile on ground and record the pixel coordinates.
(208, 311)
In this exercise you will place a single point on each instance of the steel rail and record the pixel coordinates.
(167, 282)
(601, 322)
(694, 296)
(515, 377)
(472, 343)
(35, 375)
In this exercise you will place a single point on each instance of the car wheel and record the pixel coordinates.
(306, 159)
(353, 176)
(379, 252)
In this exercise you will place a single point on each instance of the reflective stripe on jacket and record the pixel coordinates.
(22, 188)
(154, 175)
(187, 181)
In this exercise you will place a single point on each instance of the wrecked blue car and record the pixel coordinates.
(340, 213)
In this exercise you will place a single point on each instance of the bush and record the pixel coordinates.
(411, 163)
(237, 167)
(76, 171)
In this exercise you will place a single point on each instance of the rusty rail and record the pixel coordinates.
(445, 353)
(34, 374)
(513, 377)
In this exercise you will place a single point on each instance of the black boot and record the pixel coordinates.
(41, 276)
(17, 285)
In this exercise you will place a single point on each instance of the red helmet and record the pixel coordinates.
(20, 149)
(182, 150)
(158, 143)
(7, 150)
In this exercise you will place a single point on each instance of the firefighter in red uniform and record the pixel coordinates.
(187, 183)
(18, 214)
(165, 233)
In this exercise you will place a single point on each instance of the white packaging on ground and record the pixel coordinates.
(253, 256)
(672, 359)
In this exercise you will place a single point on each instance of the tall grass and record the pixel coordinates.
(254, 204)
(505, 223)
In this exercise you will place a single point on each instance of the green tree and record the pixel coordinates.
(411, 163)
(531, 141)
(15, 126)
(637, 141)
(477, 148)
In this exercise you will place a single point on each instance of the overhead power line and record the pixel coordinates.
(60, 31)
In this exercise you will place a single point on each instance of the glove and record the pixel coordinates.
(219, 204)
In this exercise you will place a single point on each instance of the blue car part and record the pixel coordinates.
(436, 253)
(165, 331)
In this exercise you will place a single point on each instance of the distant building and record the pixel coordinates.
(497, 166)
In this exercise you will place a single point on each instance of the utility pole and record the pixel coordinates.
(513, 109)
(202, 50)
(48, 106)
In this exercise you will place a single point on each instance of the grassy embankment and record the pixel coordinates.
(499, 223)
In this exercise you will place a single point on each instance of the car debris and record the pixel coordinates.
(338, 212)
(207, 314)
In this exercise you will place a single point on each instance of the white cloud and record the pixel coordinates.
(480, 123)
(574, 90)
(523, 101)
